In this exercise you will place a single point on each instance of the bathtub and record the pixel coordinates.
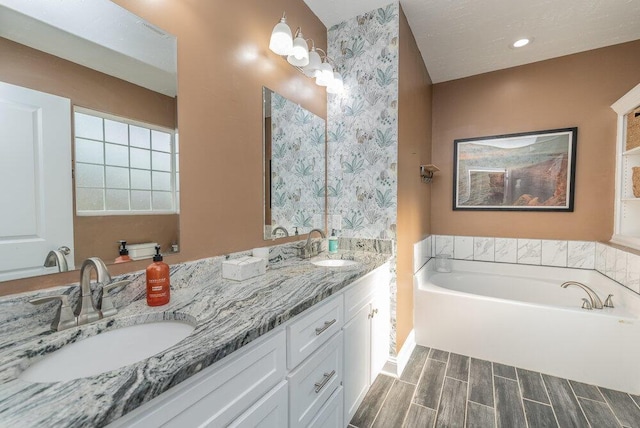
(520, 316)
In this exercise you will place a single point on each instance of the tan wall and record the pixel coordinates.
(575, 90)
(414, 149)
(223, 62)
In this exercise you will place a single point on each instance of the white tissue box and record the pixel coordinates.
(243, 268)
(142, 251)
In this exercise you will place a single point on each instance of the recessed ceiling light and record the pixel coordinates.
(520, 43)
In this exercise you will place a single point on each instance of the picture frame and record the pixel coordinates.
(527, 171)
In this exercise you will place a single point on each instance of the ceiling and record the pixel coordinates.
(98, 34)
(461, 38)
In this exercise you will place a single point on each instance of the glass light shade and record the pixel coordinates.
(314, 64)
(336, 86)
(281, 40)
(299, 56)
(324, 76)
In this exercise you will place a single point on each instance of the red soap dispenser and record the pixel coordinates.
(158, 286)
(124, 253)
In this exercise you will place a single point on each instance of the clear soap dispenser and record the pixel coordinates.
(333, 242)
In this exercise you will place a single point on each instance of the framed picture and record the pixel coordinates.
(530, 171)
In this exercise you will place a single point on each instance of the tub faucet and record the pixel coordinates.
(57, 258)
(310, 248)
(595, 301)
(274, 231)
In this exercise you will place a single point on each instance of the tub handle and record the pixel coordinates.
(608, 303)
(586, 304)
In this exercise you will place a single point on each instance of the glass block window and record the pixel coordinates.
(124, 167)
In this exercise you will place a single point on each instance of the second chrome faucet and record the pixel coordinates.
(594, 301)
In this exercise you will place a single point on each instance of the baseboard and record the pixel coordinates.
(395, 365)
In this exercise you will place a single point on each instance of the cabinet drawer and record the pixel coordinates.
(330, 416)
(220, 393)
(312, 330)
(311, 384)
(360, 292)
(269, 412)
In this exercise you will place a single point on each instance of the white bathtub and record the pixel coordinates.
(519, 315)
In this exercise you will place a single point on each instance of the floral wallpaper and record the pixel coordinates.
(362, 140)
(363, 125)
(297, 166)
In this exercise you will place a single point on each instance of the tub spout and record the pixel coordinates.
(596, 303)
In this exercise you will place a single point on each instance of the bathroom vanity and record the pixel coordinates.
(289, 348)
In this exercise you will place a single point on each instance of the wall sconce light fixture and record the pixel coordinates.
(308, 61)
(426, 172)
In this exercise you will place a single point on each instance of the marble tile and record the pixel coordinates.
(529, 251)
(582, 254)
(506, 250)
(463, 247)
(610, 262)
(620, 272)
(426, 248)
(443, 244)
(633, 272)
(417, 256)
(484, 249)
(553, 253)
(601, 250)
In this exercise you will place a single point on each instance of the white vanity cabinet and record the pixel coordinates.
(366, 336)
(220, 393)
(309, 372)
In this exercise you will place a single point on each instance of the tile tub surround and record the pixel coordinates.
(618, 263)
(227, 315)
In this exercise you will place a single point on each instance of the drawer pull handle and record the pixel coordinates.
(323, 382)
(327, 324)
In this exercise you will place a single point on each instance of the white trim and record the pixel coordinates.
(395, 365)
(628, 102)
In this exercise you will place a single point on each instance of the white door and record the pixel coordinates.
(35, 180)
(380, 328)
(357, 360)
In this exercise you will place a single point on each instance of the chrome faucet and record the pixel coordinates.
(311, 248)
(57, 257)
(274, 231)
(595, 301)
(86, 311)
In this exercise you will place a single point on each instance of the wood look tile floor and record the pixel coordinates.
(442, 389)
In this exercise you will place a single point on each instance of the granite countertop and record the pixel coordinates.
(226, 315)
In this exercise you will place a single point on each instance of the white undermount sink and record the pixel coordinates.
(107, 351)
(334, 262)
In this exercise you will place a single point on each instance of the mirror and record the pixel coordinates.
(101, 59)
(294, 167)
